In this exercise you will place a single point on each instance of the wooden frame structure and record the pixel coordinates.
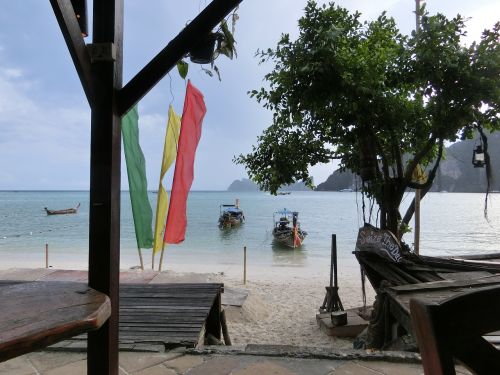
(453, 328)
(99, 67)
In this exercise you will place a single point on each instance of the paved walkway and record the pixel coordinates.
(225, 361)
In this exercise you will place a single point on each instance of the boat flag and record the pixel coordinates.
(137, 182)
(192, 119)
(169, 152)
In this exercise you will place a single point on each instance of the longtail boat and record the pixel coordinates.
(65, 211)
(286, 230)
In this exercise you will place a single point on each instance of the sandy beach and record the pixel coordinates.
(281, 303)
(283, 311)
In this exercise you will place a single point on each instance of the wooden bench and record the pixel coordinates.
(38, 314)
(453, 328)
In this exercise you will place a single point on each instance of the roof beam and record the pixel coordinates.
(166, 59)
(68, 23)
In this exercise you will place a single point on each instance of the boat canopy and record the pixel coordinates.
(231, 208)
(285, 212)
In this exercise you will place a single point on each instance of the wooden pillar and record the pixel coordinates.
(104, 226)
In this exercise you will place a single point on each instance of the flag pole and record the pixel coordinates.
(140, 257)
(161, 256)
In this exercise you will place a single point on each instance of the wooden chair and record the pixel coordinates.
(454, 327)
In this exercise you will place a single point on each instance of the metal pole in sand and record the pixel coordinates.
(46, 255)
(140, 258)
(244, 265)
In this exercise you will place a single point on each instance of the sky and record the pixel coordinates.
(45, 117)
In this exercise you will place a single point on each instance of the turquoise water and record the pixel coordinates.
(452, 223)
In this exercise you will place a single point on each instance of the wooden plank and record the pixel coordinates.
(444, 284)
(37, 314)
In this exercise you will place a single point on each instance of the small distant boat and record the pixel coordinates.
(348, 190)
(283, 193)
(66, 211)
(230, 216)
(287, 230)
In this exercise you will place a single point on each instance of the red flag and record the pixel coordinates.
(192, 119)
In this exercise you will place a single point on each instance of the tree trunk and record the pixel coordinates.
(390, 208)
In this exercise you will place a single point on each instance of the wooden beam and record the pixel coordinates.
(72, 34)
(166, 59)
(105, 154)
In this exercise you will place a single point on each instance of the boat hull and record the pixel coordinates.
(287, 237)
(66, 211)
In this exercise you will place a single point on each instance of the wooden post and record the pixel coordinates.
(244, 265)
(100, 72)
(416, 244)
(46, 255)
(105, 156)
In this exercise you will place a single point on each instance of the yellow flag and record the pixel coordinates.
(169, 153)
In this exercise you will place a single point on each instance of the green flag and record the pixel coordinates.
(137, 182)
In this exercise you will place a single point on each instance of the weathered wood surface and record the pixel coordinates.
(37, 314)
(447, 329)
(429, 293)
(169, 314)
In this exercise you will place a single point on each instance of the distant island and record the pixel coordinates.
(455, 174)
(246, 184)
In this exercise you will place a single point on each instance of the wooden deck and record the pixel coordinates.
(169, 314)
(166, 315)
(152, 311)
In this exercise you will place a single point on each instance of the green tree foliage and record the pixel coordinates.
(365, 94)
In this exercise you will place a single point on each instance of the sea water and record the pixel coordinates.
(451, 224)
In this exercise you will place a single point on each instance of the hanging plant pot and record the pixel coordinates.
(203, 52)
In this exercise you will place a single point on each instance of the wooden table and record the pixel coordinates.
(37, 314)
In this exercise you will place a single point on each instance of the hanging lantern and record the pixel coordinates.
(478, 157)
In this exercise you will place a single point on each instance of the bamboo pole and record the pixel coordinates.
(244, 265)
(416, 241)
(140, 258)
(161, 256)
(46, 255)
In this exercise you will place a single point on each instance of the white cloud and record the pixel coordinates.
(40, 142)
(12, 73)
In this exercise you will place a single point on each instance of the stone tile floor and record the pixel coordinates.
(180, 362)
